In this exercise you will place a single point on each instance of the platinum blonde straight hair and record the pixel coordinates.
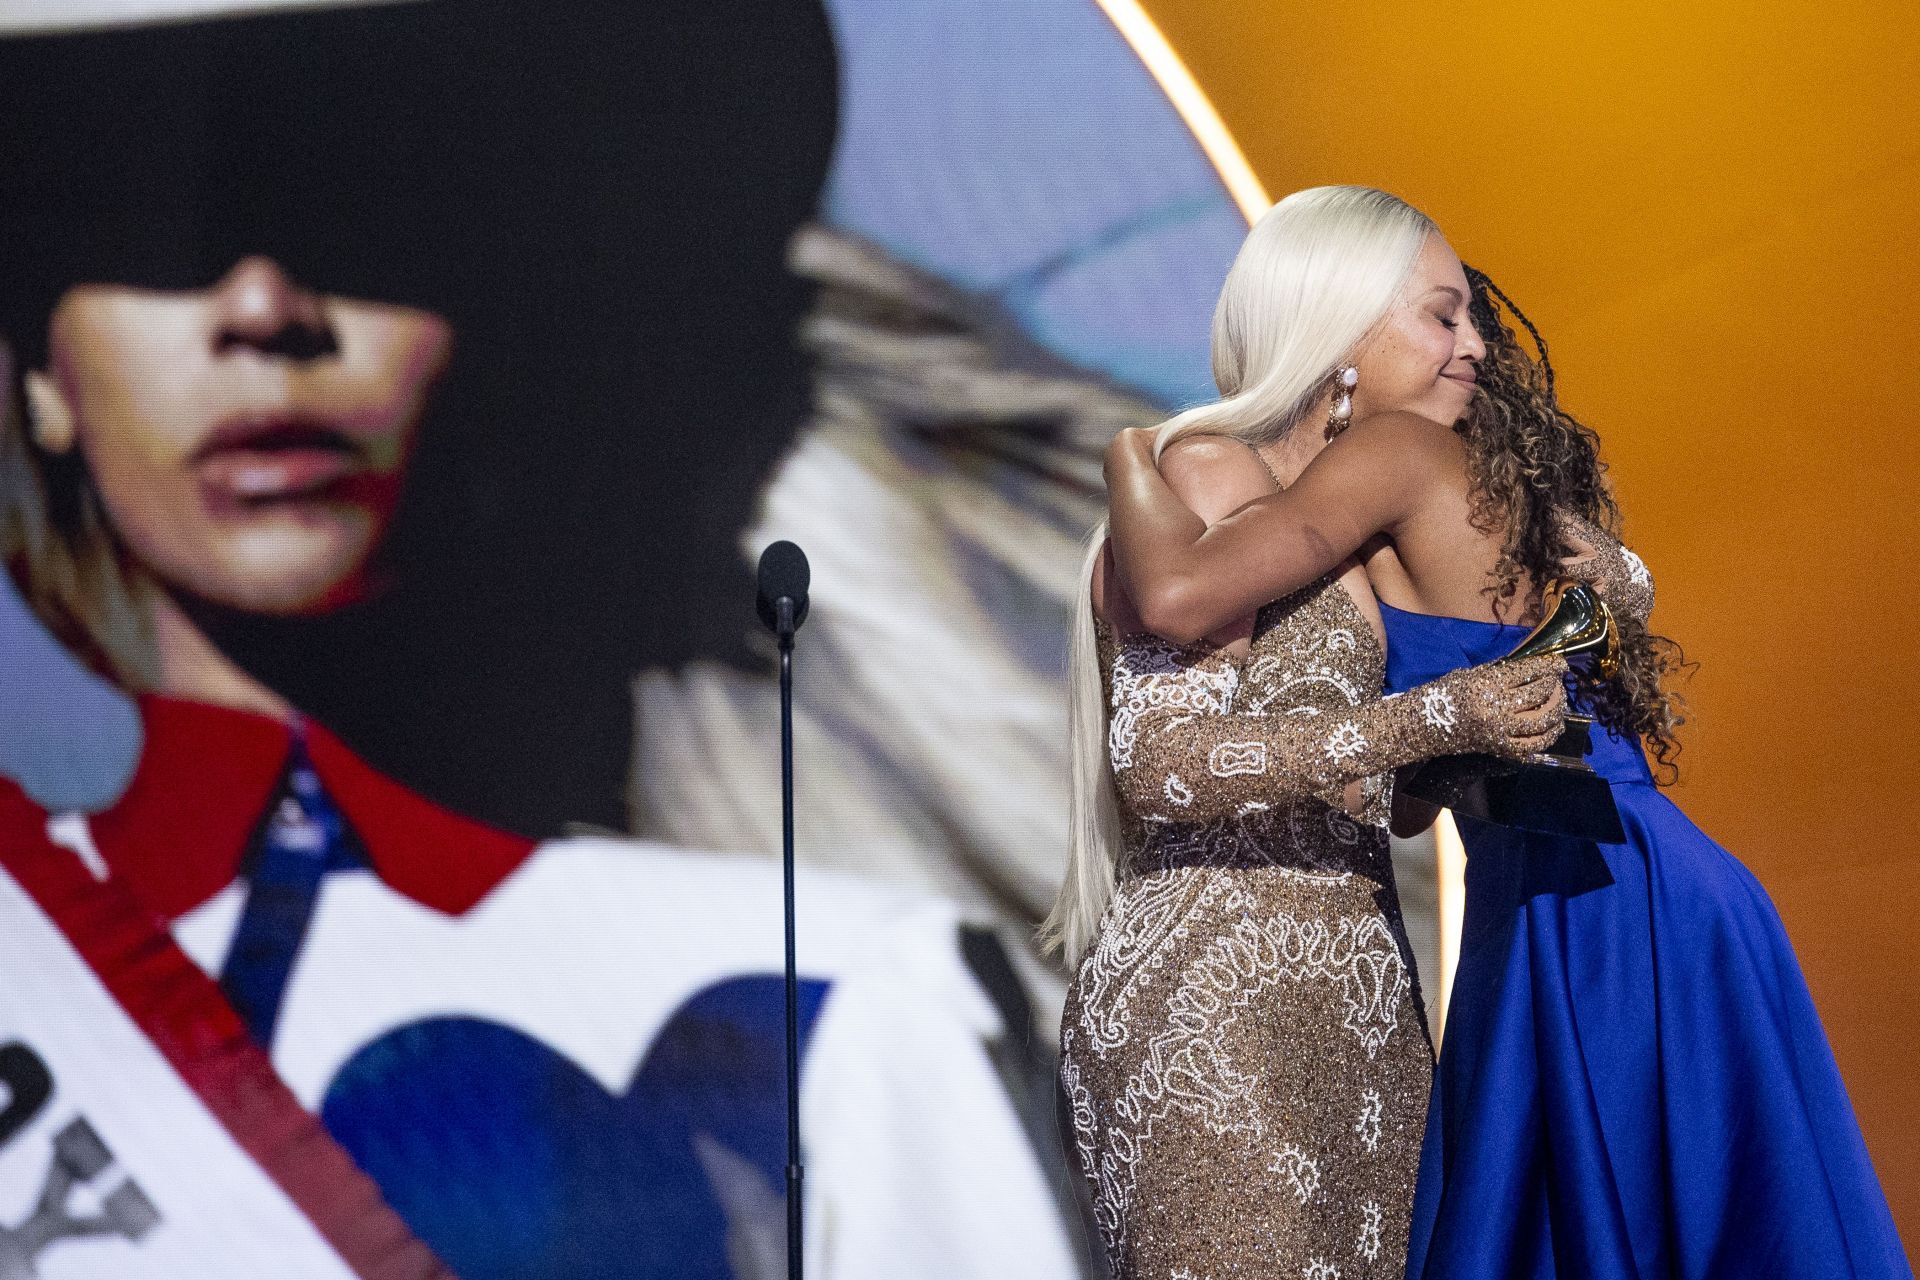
(1316, 273)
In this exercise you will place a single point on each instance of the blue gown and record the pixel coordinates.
(1634, 1083)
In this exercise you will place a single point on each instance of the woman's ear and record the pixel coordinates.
(49, 415)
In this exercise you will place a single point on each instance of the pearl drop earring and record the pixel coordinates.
(1340, 416)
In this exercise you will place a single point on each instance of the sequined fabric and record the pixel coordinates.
(1243, 1052)
(1620, 576)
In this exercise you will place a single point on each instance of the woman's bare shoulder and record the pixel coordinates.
(1214, 475)
(1399, 428)
(1395, 447)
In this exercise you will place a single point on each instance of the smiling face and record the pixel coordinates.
(249, 440)
(1421, 357)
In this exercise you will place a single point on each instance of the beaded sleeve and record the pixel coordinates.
(1620, 576)
(1191, 763)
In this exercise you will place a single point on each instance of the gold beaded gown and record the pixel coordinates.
(1243, 1051)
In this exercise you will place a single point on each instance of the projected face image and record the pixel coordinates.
(1422, 356)
(267, 264)
(248, 440)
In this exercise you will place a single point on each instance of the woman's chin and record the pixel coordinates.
(1455, 399)
(288, 575)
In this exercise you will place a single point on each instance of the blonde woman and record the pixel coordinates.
(1242, 1048)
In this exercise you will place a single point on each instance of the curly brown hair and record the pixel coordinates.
(1529, 459)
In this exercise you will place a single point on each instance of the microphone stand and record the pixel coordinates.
(786, 626)
(781, 602)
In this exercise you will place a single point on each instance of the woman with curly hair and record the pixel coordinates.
(1635, 1082)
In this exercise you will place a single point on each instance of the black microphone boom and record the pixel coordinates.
(784, 576)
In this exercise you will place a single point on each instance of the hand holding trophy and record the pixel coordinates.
(1554, 791)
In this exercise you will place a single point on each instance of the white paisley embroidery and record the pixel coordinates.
(1233, 759)
(1185, 1067)
(1368, 1125)
(1372, 1218)
(1299, 1171)
(1636, 568)
(1145, 916)
(1148, 673)
(1346, 741)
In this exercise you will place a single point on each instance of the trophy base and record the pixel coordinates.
(1574, 742)
(1548, 794)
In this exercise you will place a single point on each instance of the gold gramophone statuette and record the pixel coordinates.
(1556, 791)
(1578, 621)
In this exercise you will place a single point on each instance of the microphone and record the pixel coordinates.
(784, 576)
(782, 605)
